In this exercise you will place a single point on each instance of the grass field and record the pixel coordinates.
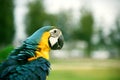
(85, 69)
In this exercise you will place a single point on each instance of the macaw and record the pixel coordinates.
(31, 60)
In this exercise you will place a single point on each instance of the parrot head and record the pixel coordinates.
(45, 39)
(56, 39)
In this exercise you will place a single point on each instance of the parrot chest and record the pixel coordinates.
(43, 48)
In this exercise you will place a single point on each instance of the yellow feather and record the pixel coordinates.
(43, 48)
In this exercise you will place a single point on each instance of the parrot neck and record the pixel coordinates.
(43, 48)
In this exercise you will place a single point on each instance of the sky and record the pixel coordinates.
(19, 12)
(104, 11)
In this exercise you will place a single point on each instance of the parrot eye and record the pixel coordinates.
(55, 31)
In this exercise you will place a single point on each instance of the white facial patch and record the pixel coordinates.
(53, 40)
(54, 36)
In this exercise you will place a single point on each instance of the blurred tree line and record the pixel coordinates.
(85, 29)
(38, 17)
(114, 37)
(6, 22)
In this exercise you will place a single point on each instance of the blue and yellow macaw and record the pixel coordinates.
(31, 60)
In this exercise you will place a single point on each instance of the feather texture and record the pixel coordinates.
(30, 61)
(35, 70)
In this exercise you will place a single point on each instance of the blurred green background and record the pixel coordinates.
(85, 69)
(91, 50)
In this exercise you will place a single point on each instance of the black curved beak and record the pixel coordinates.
(59, 44)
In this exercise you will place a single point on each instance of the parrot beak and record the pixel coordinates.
(59, 43)
(56, 39)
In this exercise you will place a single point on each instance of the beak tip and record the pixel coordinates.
(61, 41)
